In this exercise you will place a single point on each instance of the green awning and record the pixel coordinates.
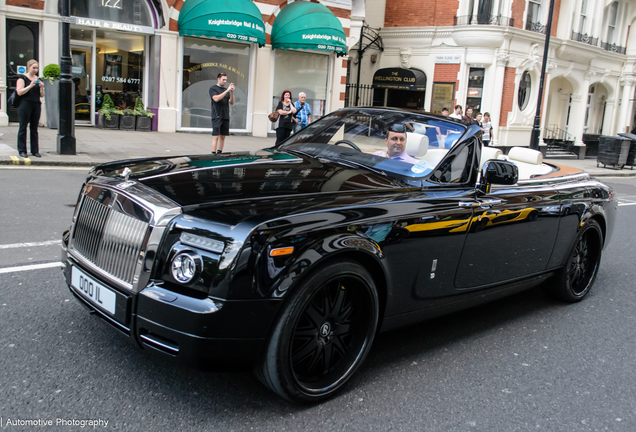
(305, 25)
(237, 20)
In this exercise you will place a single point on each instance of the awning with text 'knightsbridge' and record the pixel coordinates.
(311, 26)
(237, 20)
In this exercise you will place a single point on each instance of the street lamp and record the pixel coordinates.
(65, 131)
(536, 129)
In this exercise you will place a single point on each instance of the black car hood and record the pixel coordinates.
(213, 179)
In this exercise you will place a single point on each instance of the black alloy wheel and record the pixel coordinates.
(323, 334)
(579, 272)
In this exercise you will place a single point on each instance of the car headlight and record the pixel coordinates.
(184, 267)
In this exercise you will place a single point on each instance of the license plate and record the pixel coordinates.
(93, 291)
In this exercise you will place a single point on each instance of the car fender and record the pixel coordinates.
(315, 253)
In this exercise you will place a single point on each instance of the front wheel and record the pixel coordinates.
(323, 334)
(576, 278)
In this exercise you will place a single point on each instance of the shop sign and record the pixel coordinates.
(112, 25)
(399, 79)
(216, 65)
(474, 92)
(448, 59)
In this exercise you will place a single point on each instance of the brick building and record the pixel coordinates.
(169, 52)
(488, 53)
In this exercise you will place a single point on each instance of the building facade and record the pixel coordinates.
(488, 54)
(169, 52)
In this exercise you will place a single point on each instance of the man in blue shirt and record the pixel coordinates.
(303, 112)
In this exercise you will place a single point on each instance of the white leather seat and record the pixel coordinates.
(416, 144)
(526, 155)
(488, 153)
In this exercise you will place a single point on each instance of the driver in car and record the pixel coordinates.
(396, 144)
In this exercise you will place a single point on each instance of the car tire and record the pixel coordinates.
(577, 276)
(323, 334)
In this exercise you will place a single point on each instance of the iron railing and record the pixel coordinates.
(484, 19)
(585, 38)
(364, 94)
(536, 27)
(613, 48)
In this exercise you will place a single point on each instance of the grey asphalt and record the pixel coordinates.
(95, 146)
(524, 363)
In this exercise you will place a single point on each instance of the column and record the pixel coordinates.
(4, 118)
(609, 117)
(168, 109)
(502, 61)
(262, 88)
(577, 117)
(627, 105)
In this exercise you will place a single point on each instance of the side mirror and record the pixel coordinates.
(498, 172)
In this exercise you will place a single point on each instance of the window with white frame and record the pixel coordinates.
(583, 18)
(611, 23)
(534, 8)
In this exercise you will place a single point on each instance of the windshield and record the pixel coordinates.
(401, 144)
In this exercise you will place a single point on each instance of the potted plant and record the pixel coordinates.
(108, 114)
(51, 79)
(127, 119)
(144, 117)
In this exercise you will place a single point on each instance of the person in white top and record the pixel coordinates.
(486, 125)
(457, 113)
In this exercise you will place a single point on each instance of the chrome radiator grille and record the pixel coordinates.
(110, 240)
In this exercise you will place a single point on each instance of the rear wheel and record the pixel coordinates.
(576, 278)
(323, 334)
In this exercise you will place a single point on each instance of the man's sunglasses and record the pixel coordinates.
(397, 128)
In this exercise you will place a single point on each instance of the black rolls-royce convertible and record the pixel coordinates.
(288, 261)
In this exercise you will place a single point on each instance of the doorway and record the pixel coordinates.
(81, 73)
(22, 46)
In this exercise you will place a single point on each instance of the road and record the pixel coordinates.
(525, 363)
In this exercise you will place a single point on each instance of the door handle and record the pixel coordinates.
(483, 204)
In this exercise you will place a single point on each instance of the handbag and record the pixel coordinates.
(14, 99)
(273, 116)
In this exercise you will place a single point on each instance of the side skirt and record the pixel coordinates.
(446, 305)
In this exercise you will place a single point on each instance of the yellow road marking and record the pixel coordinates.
(16, 160)
(27, 161)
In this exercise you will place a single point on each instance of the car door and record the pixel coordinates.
(512, 235)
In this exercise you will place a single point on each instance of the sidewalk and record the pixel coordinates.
(96, 146)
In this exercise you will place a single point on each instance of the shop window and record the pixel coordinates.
(302, 72)
(203, 60)
(120, 66)
(524, 90)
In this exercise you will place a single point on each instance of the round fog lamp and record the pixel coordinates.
(184, 266)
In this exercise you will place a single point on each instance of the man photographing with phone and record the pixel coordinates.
(222, 98)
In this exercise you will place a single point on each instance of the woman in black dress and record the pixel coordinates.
(285, 123)
(30, 89)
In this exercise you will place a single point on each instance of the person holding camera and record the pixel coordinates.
(303, 112)
(30, 89)
(222, 98)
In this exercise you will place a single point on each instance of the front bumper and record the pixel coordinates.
(200, 332)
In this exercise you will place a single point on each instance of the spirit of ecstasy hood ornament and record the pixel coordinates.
(125, 174)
